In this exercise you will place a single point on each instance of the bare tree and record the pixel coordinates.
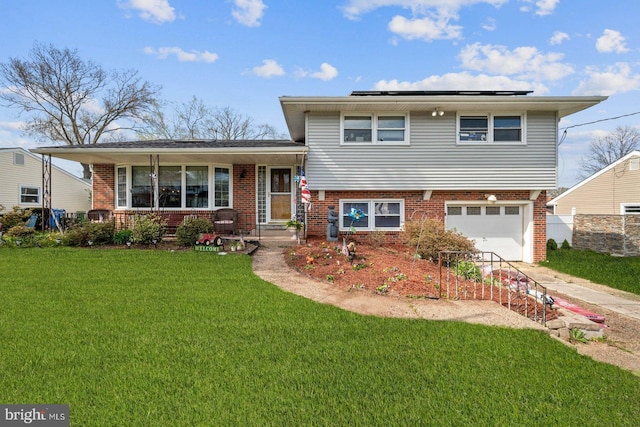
(69, 100)
(607, 149)
(195, 120)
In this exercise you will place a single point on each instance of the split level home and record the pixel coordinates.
(480, 162)
(21, 183)
(614, 190)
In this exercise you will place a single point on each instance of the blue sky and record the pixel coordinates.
(244, 54)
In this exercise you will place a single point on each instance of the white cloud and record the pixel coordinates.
(183, 56)
(462, 81)
(611, 41)
(489, 24)
(426, 29)
(558, 37)
(327, 72)
(618, 78)
(248, 12)
(156, 11)
(354, 8)
(430, 19)
(524, 62)
(11, 126)
(543, 7)
(270, 68)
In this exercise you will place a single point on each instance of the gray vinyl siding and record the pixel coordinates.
(433, 160)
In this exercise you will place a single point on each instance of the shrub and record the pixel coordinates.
(430, 237)
(16, 216)
(565, 244)
(21, 232)
(552, 245)
(188, 231)
(147, 228)
(97, 232)
(122, 237)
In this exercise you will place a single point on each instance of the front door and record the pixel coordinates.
(280, 186)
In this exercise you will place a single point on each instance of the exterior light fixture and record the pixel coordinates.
(491, 198)
(437, 112)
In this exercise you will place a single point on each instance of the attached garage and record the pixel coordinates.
(494, 228)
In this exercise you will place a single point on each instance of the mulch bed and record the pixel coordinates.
(394, 270)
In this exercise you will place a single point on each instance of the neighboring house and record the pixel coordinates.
(21, 183)
(614, 190)
(481, 162)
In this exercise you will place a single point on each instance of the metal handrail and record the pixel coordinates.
(487, 276)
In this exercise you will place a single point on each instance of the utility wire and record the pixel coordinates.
(564, 134)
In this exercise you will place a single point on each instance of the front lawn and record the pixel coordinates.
(143, 337)
(617, 272)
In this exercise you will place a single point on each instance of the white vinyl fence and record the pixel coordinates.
(559, 228)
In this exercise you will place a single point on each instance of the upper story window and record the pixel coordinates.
(374, 129)
(491, 128)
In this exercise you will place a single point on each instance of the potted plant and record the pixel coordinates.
(294, 225)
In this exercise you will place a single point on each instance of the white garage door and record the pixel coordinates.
(496, 229)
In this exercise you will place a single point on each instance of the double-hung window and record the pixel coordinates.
(30, 194)
(374, 129)
(378, 214)
(491, 128)
(173, 187)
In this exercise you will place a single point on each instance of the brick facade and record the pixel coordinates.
(104, 185)
(244, 201)
(416, 208)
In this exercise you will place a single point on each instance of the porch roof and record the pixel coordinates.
(182, 151)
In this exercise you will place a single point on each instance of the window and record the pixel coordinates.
(491, 129)
(18, 159)
(512, 210)
(454, 210)
(170, 186)
(374, 129)
(507, 128)
(174, 187)
(222, 187)
(492, 210)
(630, 209)
(197, 186)
(473, 128)
(29, 194)
(379, 214)
(141, 188)
(357, 129)
(473, 210)
(121, 175)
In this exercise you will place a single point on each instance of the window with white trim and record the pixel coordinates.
(629, 209)
(491, 128)
(173, 187)
(379, 214)
(374, 129)
(121, 185)
(30, 194)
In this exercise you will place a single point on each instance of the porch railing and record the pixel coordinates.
(486, 276)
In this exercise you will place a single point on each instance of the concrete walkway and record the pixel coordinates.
(621, 302)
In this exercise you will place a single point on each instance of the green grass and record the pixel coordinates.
(617, 272)
(140, 338)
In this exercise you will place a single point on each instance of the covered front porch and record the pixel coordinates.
(256, 180)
